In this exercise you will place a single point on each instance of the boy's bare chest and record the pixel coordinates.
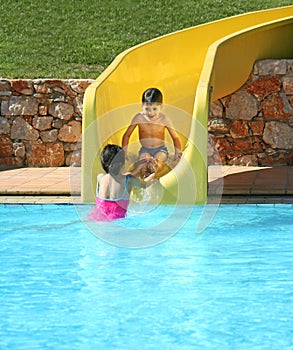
(151, 128)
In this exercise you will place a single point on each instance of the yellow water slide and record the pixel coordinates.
(191, 67)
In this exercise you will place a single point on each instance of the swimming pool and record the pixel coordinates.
(228, 287)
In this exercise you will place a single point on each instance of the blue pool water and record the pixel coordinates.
(228, 287)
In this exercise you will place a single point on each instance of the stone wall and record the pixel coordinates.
(40, 122)
(254, 125)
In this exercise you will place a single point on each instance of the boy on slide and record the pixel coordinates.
(152, 124)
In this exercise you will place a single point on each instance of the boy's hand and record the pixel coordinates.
(177, 155)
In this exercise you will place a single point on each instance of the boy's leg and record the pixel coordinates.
(142, 168)
(159, 166)
(161, 157)
(159, 161)
(152, 167)
(145, 156)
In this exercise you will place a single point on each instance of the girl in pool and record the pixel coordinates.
(114, 187)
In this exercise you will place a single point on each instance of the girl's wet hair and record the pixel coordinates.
(112, 159)
(152, 95)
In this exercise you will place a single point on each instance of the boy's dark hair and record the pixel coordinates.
(152, 95)
(112, 159)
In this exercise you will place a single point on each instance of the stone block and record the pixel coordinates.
(242, 106)
(277, 106)
(61, 110)
(6, 146)
(19, 149)
(4, 126)
(73, 159)
(264, 87)
(40, 154)
(270, 67)
(49, 135)
(5, 85)
(42, 122)
(216, 109)
(70, 132)
(256, 127)
(239, 129)
(20, 105)
(22, 130)
(288, 85)
(278, 135)
(24, 87)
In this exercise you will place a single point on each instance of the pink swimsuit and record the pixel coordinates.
(110, 209)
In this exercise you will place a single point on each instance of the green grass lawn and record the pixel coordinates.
(79, 38)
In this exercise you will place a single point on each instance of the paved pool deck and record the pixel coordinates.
(227, 184)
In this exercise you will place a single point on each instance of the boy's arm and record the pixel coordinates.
(176, 142)
(126, 137)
